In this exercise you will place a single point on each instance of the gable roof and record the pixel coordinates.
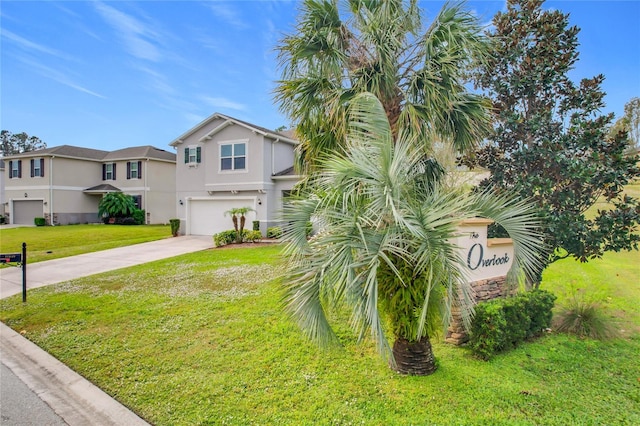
(272, 134)
(140, 152)
(70, 151)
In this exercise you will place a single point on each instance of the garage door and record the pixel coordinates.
(24, 211)
(206, 217)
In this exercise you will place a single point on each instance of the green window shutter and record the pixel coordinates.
(186, 155)
(198, 154)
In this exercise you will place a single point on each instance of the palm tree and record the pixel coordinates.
(381, 48)
(235, 212)
(116, 204)
(384, 246)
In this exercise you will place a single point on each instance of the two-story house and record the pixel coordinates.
(225, 163)
(65, 184)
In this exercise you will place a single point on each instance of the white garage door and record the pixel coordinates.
(24, 211)
(206, 217)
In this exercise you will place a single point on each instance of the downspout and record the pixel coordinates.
(51, 190)
(144, 203)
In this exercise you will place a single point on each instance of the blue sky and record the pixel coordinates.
(111, 74)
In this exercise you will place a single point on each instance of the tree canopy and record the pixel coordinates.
(17, 143)
(380, 47)
(549, 142)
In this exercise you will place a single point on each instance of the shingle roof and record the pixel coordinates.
(285, 172)
(140, 152)
(66, 151)
(104, 187)
(286, 135)
(136, 152)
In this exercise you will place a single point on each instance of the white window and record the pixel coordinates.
(108, 171)
(233, 156)
(37, 167)
(15, 167)
(134, 170)
(192, 155)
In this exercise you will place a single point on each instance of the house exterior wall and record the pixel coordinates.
(65, 179)
(204, 186)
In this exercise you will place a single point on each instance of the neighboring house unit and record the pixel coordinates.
(224, 163)
(65, 184)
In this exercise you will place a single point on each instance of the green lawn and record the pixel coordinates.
(52, 242)
(202, 339)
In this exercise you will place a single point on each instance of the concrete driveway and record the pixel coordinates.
(69, 268)
(37, 388)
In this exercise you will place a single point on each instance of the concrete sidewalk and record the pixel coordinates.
(68, 397)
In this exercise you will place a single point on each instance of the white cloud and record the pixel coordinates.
(58, 76)
(223, 103)
(228, 14)
(138, 38)
(30, 45)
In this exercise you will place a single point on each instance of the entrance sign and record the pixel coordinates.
(483, 257)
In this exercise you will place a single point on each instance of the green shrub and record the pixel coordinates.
(256, 225)
(2, 220)
(175, 226)
(126, 221)
(501, 324)
(274, 232)
(39, 221)
(139, 216)
(229, 237)
(225, 237)
(251, 236)
(584, 319)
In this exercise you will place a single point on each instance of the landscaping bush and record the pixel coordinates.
(175, 226)
(39, 221)
(224, 237)
(126, 221)
(229, 237)
(274, 232)
(501, 324)
(2, 220)
(139, 216)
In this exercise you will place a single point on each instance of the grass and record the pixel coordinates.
(52, 242)
(202, 339)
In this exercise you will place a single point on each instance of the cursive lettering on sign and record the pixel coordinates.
(475, 258)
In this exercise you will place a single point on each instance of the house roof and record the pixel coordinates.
(64, 151)
(285, 137)
(70, 151)
(140, 152)
(102, 189)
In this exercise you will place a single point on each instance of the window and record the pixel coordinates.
(137, 200)
(134, 170)
(37, 167)
(109, 171)
(233, 156)
(15, 169)
(192, 154)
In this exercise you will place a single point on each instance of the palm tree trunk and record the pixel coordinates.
(414, 358)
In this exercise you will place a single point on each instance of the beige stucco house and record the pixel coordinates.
(65, 184)
(223, 163)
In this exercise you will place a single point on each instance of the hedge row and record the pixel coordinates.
(501, 324)
(229, 237)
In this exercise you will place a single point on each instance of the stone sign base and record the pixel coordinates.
(483, 290)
